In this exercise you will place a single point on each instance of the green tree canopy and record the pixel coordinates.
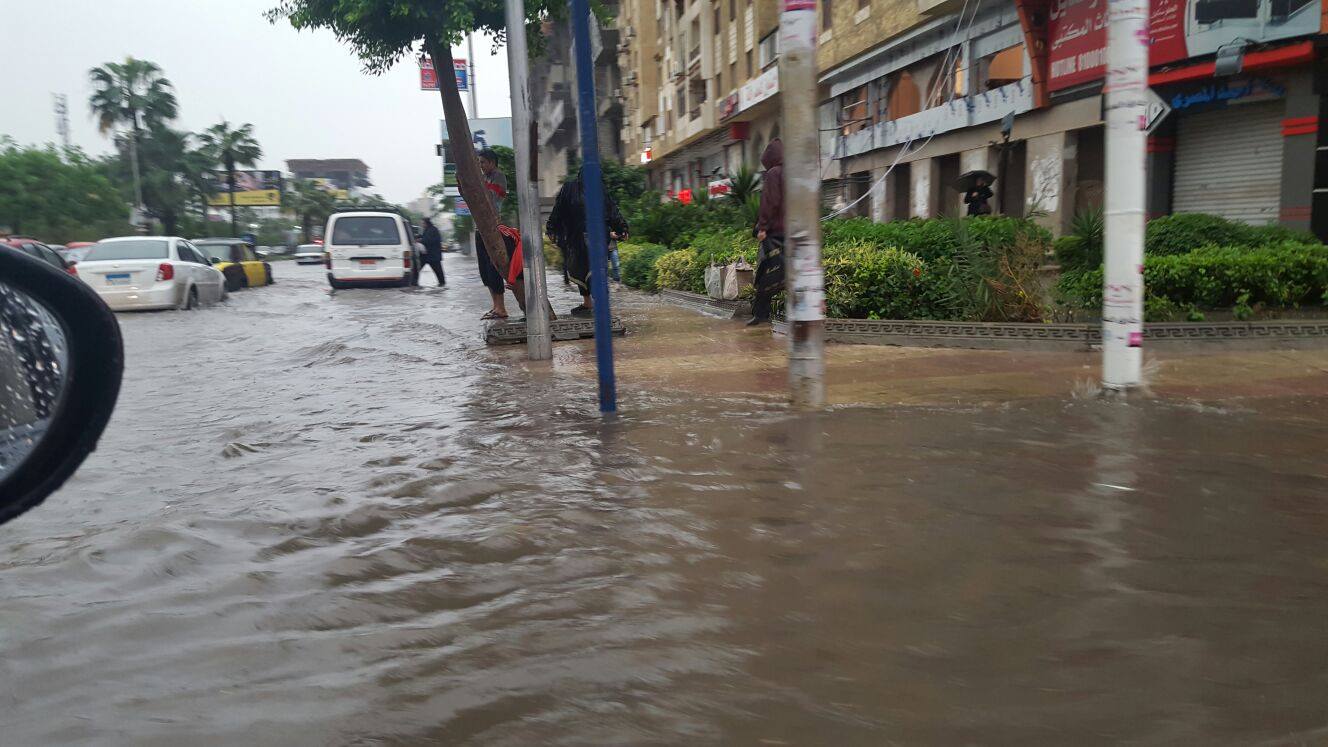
(57, 200)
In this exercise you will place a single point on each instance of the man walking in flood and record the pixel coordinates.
(769, 231)
(432, 240)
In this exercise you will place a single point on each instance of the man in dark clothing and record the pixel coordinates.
(567, 227)
(976, 198)
(769, 230)
(433, 250)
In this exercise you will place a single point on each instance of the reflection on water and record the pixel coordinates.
(341, 520)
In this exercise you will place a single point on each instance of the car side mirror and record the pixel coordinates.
(61, 361)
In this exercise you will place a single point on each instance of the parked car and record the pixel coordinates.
(309, 254)
(151, 272)
(370, 248)
(236, 259)
(35, 248)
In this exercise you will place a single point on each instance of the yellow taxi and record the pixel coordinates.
(237, 261)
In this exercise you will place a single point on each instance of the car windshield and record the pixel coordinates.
(366, 230)
(132, 249)
(220, 252)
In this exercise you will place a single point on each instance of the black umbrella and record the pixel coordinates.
(970, 180)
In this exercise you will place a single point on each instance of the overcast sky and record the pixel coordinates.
(304, 91)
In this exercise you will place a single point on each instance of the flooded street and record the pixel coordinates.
(322, 519)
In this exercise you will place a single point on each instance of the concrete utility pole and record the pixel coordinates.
(805, 278)
(592, 181)
(1126, 141)
(539, 345)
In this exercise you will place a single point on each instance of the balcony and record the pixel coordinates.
(970, 111)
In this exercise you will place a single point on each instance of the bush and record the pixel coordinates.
(638, 264)
(1282, 274)
(1182, 233)
(672, 269)
(863, 281)
(935, 238)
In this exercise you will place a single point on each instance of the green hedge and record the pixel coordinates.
(863, 281)
(638, 264)
(934, 238)
(1287, 273)
(1184, 232)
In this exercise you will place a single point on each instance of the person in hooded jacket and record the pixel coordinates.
(769, 230)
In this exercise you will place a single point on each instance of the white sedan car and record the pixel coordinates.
(309, 254)
(151, 272)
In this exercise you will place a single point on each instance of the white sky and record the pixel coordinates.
(304, 91)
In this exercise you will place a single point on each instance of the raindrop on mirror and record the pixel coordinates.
(34, 356)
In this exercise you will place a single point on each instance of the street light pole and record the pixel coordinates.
(1126, 141)
(539, 344)
(805, 278)
(592, 181)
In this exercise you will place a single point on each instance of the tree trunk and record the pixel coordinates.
(230, 183)
(470, 179)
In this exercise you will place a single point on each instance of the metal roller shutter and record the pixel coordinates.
(1229, 163)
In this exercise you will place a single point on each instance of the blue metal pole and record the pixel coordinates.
(593, 181)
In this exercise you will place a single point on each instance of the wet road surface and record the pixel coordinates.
(339, 519)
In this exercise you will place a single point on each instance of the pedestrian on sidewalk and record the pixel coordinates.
(769, 230)
(567, 228)
(493, 279)
(432, 240)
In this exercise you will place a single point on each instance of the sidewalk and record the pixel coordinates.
(677, 348)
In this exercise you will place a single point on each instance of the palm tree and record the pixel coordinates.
(308, 202)
(231, 148)
(132, 93)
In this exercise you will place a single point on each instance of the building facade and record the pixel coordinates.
(915, 93)
(700, 88)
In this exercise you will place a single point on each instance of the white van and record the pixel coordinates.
(370, 248)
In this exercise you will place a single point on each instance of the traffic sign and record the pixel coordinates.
(1157, 110)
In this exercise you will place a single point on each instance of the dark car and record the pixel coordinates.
(34, 248)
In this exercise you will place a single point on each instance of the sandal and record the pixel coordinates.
(582, 310)
(493, 315)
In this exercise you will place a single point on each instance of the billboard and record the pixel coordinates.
(252, 189)
(429, 76)
(1177, 30)
(329, 187)
(487, 132)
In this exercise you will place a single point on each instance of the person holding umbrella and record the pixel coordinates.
(976, 186)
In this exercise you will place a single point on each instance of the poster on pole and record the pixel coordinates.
(429, 76)
(1177, 30)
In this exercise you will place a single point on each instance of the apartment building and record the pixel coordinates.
(553, 86)
(701, 88)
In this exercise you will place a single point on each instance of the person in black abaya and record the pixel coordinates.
(567, 228)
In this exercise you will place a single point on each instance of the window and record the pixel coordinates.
(733, 10)
(947, 80)
(904, 97)
(769, 50)
(131, 249)
(366, 230)
(749, 63)
(853, 112)
(827, 14)
(222, 251)
(715, 29)
(186, 254)
(864, 4)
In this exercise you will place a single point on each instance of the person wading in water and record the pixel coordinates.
(433, 250)
(769, 230)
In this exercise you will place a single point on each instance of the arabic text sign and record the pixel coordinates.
(1177, 30)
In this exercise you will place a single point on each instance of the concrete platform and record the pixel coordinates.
(514, 333)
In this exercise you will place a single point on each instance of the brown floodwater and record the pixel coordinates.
(339, 519)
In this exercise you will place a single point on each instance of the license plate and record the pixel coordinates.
(118, 279)
(368, 262)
